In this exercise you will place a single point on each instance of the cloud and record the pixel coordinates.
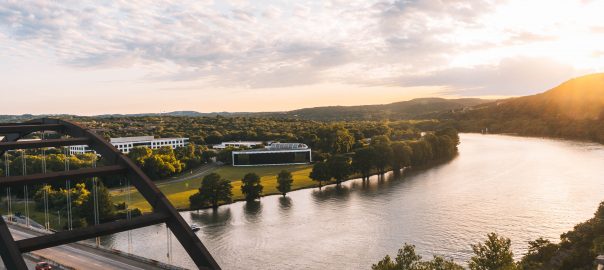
(266, 44)
(512, 76)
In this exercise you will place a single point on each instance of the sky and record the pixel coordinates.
(98, 57)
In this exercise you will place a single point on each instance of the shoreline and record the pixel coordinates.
(402, 171)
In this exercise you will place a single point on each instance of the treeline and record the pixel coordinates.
(572, 110)
(508, 122)
(214, 130)
(164, 162)
(215, 189)
(382, 154)
(494, 254)
(156, 163)
(82, 203)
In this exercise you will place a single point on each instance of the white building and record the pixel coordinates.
(125, 144)
(274, 154)
(248, 144)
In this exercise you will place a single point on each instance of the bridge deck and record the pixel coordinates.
(80, 256)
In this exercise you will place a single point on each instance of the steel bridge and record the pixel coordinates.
(115, 164)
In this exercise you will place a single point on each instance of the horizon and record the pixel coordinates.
(269, 56)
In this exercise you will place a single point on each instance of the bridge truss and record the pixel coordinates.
(115, 164)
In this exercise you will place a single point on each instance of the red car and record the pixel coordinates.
(43, 266)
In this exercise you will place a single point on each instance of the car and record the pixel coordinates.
(43, 266)
(195, 228)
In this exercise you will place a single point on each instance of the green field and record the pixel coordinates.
(178, 192)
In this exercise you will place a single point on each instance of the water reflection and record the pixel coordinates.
(327, 193)
(252, 211)
(285, 203)
(214, 217)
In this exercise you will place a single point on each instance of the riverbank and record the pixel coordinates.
(179, 192)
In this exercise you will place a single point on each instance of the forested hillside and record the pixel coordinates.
(411, 109)
(404, 110)
(573, 110)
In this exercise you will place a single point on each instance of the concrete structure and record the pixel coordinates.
(248, 144)
(125, 144)
(274, 154)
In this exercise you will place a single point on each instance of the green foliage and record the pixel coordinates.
(401, 155)
(335, 139)
(494, 254)
(320, 172)
(539, 254)
(162, 162)
(105, 205)
(339, 167)
(284, 182)
(382, 152)
(251, 187)
(363, 160)
(407, 259)
(214, 189)
(139, 155)
(577, 250)
(57, 198)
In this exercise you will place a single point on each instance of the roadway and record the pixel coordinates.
(196, 173)
(79, 256)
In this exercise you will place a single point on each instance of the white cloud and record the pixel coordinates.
(267, 44)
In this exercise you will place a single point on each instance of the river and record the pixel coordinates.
(522, 188)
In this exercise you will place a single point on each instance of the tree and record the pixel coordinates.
(139, 155)
(540, 252)
(495, 253)
(251, 187)
(383, 152)
(284, 182)
(339, 167)
(320, 173)
(407, 259)
(401, 155)
(162, 165)
(214, 189)
(363, 160)
(335, 139)
(105, 205)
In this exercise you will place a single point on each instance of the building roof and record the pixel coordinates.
(132, 139)
(140, 139)
(278, 147)
(241, 142)
(287, 146)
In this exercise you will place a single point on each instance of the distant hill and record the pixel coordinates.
(574, 109)
(411, 109)
(399, 110)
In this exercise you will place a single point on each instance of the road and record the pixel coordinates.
(80, 256)
(201, 171)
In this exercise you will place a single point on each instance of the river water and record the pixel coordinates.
(522, 188)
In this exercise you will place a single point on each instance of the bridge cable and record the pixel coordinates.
(128, 213)
(46, 187)
(8, 191)
(169, 244)
(25, 191)
(95, 201)
(68, 187)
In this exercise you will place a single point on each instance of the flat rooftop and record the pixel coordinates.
(140, 139)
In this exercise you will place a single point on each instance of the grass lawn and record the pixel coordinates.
(178, 193)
